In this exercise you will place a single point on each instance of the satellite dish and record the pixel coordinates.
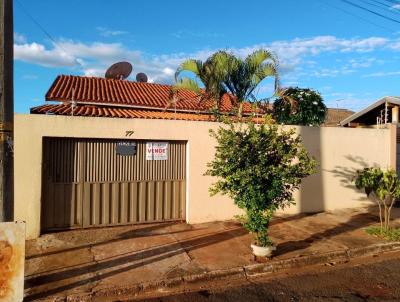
(141, 77)
(119, 71)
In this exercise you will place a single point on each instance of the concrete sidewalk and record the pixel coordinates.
(96, 260)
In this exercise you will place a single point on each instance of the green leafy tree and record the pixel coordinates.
(259, 167)
(383, 187)
(298, 106)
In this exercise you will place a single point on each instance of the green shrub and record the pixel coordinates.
(391, 234)
(259, 167)
(383, 187)
(299, 106)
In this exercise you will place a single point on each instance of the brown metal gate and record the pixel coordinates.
(86, 183)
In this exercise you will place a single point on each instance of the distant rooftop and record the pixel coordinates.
(335, 115)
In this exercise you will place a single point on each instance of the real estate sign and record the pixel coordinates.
(156, 151)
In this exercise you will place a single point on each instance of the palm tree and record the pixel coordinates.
(245, 75)
(224, 72)
(211, 73)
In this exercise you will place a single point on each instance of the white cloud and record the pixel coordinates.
(93, 59)
(105, 32)
(326, 72)
(107, 52)
(382, 74)
(169, 71)
(347, 67)
(316, 45)
(294, 55)
(94, 72)
(395, 45)
(363, 62)
(38, 54)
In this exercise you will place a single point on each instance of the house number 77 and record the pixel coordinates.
(129, 132)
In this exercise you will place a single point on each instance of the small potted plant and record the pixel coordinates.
(257, 222)
(259, 167)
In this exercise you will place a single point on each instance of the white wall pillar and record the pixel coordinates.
(395, 115)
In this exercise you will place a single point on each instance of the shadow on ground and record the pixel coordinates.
(146, 230)
(79, 262)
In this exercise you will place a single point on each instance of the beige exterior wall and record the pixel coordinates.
(340, 151)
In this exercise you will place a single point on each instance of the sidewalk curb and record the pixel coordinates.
(336, 256)
(248, 271)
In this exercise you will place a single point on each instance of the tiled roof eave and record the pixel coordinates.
(163, 109)
(93, 111)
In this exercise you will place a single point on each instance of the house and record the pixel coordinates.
(100, 97)
(382, 112)
(105, 152)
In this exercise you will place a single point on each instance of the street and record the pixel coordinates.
(373, 280)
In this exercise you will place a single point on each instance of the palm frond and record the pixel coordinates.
(267, 70)
(187, 84)
(194, 66)
(221, 63)
(255, 59)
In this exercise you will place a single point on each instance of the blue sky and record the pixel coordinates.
(335, 50)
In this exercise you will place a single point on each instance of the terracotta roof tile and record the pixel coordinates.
(128, 94)
(118, 112)
(334, 116)
(100, 97)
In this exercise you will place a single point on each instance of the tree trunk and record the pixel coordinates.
(386, 217)
(380, 214)
(240, 111)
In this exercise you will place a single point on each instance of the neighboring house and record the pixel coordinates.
(382, 112)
